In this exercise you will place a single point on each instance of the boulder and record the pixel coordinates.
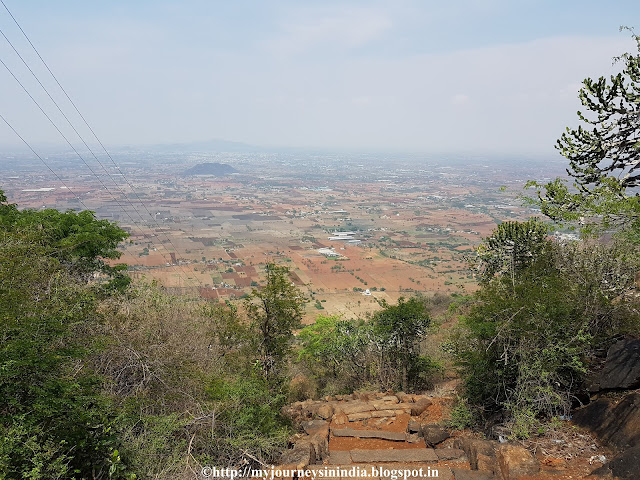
(624, 466)
(434, 434)
(414, 426)
(616, 424)
(320, 445)
(325, 411)
(481, 453)
(420, 406)
(316, 427)
(340, 419)
(621, 370)
(516, 461)
(302, 454)
(450, 454)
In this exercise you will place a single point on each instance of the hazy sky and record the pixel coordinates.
(436, 76)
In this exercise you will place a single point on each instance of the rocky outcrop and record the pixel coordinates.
(615, 422)
(515, 461)
(434, 434)
(625, 466)
(621, 370)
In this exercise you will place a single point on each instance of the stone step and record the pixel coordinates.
(401, 456)
(461, 474)
(451, 454)
(354, 417)
(382, 434)
(384, 471)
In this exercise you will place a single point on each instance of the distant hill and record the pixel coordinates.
(215, 169)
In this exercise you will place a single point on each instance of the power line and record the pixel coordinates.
(77, 153)
(152, 217)
(45, 163)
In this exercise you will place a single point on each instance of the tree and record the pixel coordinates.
(400, 328)
(511, 247)
(54, 423)
(337, 352)
(275, 311)
(78, 240)
(604, 155)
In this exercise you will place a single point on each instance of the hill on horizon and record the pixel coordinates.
(215, 169)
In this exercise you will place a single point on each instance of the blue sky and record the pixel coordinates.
(461, 76)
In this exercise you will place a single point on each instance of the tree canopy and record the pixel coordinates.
(603, 154)
(275, 311)
(78, 240)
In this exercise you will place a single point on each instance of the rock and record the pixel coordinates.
(624, 466)
(302, 454)
(481, 453)
(320, 446)
(516, 461)
(434, 434)
(486, 463)
(384, 413)
(414, 426)
(339, 458)
(450, 454)
(382, 434)
(390, 398)
(325, 411)
(316, 427)
(356, 407)
(404, 397)
(420, 406)
(460, 474)
(621, 370)
(354, 417)
(309, 409)
(617, 424)
(364, 396)
(340, 419)
(413, 438)
(406, 455)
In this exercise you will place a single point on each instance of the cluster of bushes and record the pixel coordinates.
(528, 335)
(111, 380)
(381, 353)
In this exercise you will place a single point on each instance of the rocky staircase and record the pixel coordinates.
(383, 433)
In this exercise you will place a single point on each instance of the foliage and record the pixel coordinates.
(398, 330)
(525, 345)
(604, 156)
(77, 239)
(511, 247)
(192, 389)
(345, 355)
(53, 420)
(275, 311)
(526, 341)
(248, 419)
(461, 415)
(337, 350)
